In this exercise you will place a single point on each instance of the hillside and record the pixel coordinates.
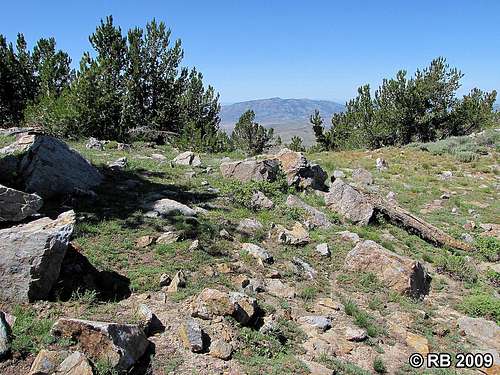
(223, 280)
(288, 117)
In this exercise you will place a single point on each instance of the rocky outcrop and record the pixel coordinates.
(401, 274)
(257, 252)
(299, 172)
(250, 170)
(121, 345)
(31, 257)
(315, 218)
(47, 166)
(187, 158)
(95, 144)
(16, 205)
(167, 207)
(349, 203)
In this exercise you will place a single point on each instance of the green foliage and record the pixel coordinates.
(362, 318)
(379, 366)
(249, 136)
(482, 304)
(488, 247)
(402, 110)
(30, 333)
(459, 267)
(296, 144)
(341, 367)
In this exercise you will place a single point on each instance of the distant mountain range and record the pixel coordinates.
(288, 117)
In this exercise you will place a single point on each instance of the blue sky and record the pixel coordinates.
(292, 49)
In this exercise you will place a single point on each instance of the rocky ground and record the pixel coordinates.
(145, 260)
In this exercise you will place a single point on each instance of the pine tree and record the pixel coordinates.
(249, 136)
(319, 130)
(296, 144)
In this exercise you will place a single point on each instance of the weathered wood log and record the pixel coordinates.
(413, 224)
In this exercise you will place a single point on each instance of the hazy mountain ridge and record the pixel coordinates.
(287, 116)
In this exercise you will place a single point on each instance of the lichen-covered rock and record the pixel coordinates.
(250, 170)
(315, 217)
(349, 203)
(75, 364)
(245, 307)
(323, 250)
(16, 205)
(362, 177)
(249, 226)
(168, 207)
(257, 252)
(46, 166)
(221, 349)
(401, 274)
(259, 201)
(188, 158)
(298, 235)
(191, 336)
(31, 257)
(211, 303)
(300, 173)
(318, 322)
(47, 361)
(121, 345)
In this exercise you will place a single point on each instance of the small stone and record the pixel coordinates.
(323, 250)
(194, 245)
(466, 237)
(221, 349)
(211, 303)
(75, 364)
(417, 342)
(257, 252)
(445, 196)
(159, 157)
(298, 235)
(249, 226)
(304, 267)
(381, 164)
(165, 280)
(362, 177)
(454, 210)
(5, 336)
(191, 335)
(179, 281)
(391, 196)
(118, 164)
(260, 202)
(225, 234)
(167, 238)
(338, 174)
(204, 183)
(245, 307)
(47, 361)
(277, 288)
(446, 175)
(320, 323)
(469, 225)
(144, 241)
(355, 334)
(349, 236)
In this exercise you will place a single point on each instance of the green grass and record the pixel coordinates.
(362, 319)
(341, 367)
(379, 366)
(6, 140)
(30, 332)
(488, 248)
(456, 266)
(482, 304)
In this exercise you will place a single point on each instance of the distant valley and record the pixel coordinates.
(289, 117)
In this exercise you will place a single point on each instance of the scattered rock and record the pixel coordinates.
(485, 332)
(221, 349)
(188, 158)
(381, 164)
(167, 238)
(277, 288)
(323, 250)
(123, 146)
(121, 345)
(31, 257)
(298, 235)
(250, 170)
(259, 201)
(47, 361)
(417, 342)
(5, 336)
(245, 307)
(95, 144)
(299, 172)
(337, 174)
(168, 207)
(466, 237)
(119, 164)
(317, 218)
(194, 245)
(159, 157)
(490, 230)
(75, 364)
(257, 252)
(179, 281)
(191, 335)
(349, 203)
(362, 177)
(46, 166)
(446, 175)
(469, 225)
(225, 234)
(165, 280)
(211, 303)
(398, 273)
(149, 321)
(16, 205)
(144, 241)
(349, 236)
(318, 322)
(304, 268)
(249, 226)
(391, 196)
(355, 334)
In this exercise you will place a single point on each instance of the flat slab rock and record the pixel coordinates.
(16, 205)
(315, 217)
(47, 166)
(31, 257)
(61, 363)
(401, 274)
(250, 170)
(121, 345)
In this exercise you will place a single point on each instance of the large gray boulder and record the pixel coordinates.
(31, 257)
(401, 274)
(299, 172)
(120, 345)
(250, 170)
(349, 203)
(167, 207)
(16, 205)
(187, 158)
(47, 166)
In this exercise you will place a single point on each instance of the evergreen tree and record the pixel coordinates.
(319, 130)
(296, 144)
(249, 136)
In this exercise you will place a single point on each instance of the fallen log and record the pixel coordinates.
(413, 224)
(360, 206)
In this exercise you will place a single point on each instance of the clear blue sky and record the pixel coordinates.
(287, 48)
